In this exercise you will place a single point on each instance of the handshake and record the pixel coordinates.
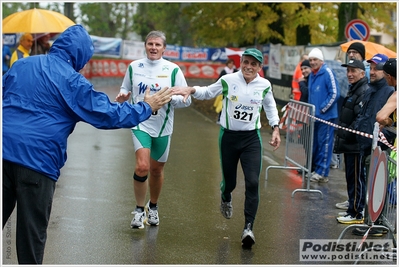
(160, 98)
(156, 101)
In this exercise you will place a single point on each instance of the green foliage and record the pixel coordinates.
(164, 17)
(10, 8)
(229, 24)
(107, 19)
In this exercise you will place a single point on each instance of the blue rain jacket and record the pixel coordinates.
(323, 93)
(45, 96)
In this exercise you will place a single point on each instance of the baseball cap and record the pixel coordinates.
(378, 59)
(354, 63)
(254, 53)
(390, 67)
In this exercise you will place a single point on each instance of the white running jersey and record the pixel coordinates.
(242, 102)
(156, 74)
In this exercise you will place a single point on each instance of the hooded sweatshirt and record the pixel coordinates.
(45, 96)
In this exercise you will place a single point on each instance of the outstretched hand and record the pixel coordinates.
(183, 91)
(157, 100)
(121, 97)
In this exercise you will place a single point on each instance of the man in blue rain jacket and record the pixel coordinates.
(43, 98)
(324, 93)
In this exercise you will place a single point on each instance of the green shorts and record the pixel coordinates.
(159, 146)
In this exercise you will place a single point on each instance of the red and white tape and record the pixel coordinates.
(381, 138)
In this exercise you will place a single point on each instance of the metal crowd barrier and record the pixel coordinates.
(299, 141)
(380, 212)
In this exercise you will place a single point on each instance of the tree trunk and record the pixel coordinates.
(346, 13)
(303, 32)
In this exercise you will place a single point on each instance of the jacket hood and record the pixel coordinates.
(75, 46)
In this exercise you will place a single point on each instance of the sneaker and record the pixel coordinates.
(323, 179)
(342, 213)
(343, 205)
(152, 215)
(226, 208)
(373, 232)
(349, 219)
(247, 238)
(138, 219)
(315, 177)
(334, 166)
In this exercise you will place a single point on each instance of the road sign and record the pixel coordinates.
(357, 30)
(377, 183)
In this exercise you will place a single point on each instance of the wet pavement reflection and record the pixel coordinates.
(90, 220)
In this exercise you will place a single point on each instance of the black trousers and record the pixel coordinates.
(355, 183)
(33, 193)
(246, 147)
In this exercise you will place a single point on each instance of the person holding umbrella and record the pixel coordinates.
(41, 45)
(25, 45)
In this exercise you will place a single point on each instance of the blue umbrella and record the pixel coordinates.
(340, 73)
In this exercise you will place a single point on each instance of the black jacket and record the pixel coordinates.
(373, 100)
(345, 141)
(303, 87)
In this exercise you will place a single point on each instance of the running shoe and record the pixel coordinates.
(315, 177)
(226, 208)
(349, 219)
(247, 238)
(138, 219)
(323, 179)
(152, 215)
(343, 205)
(373, 232)
(342, 213)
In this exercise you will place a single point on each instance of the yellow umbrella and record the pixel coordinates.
(36, 21)
(371, 49)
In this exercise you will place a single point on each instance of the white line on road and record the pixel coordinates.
(270, 160)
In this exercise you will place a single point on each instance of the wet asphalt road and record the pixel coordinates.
(90, 219)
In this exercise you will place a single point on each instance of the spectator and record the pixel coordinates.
(323, 94)
(303, 81)
(387, 115)
(43, 99)
(151, 138)
(245, 93)
(6, 58)
(346, 143)
(25, 44)
(41, 46)
(374, 99)
(229, 68)
(296, 93)
(357, 50)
